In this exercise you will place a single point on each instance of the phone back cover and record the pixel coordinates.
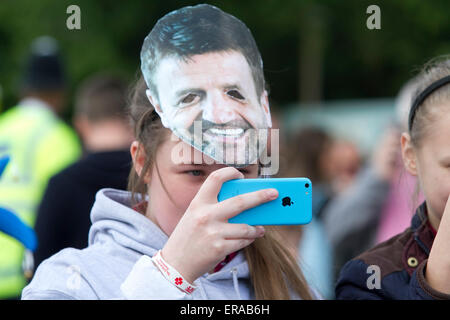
(293, 205)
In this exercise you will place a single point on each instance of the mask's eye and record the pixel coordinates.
(235, 94)
(189, 98)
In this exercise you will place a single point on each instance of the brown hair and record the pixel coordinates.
(309, 146)
(432, 106)
(274, 270)
(101, 97)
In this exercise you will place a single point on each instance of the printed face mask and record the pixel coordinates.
(210, 102)
(196, 63)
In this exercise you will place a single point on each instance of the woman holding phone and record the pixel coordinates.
(169, 237)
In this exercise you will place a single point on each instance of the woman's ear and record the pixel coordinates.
(409, 154)
(139, 159)
(154, 102)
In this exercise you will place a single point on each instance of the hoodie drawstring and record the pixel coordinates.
(235, 282)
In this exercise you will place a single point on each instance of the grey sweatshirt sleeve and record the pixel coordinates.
(146, 282)
(65, 278)
(357, 207)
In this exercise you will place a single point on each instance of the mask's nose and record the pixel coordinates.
(218, 110)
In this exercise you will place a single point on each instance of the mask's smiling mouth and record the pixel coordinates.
(227, 132)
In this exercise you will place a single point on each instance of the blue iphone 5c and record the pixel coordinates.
(293, 205)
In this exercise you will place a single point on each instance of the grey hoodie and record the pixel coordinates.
(117, 265)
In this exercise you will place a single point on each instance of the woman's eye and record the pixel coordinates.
(189, 98)
(235, 94)
(195, 173)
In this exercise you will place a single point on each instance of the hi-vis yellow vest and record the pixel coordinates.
(39, 145)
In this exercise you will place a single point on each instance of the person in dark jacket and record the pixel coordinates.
(415, 264)
(64, 214)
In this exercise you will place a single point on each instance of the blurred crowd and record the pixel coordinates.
(55, 169)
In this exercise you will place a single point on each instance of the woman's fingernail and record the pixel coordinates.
(272, 193)
(261, 231)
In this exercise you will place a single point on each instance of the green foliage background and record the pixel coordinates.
(354, 62)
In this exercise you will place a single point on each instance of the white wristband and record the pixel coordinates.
(171, 274)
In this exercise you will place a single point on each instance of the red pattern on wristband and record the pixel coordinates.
(172, 275)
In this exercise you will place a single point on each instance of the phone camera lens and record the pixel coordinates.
(306, 185)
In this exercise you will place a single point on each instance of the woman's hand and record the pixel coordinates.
(438, 265)
(203, 237)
